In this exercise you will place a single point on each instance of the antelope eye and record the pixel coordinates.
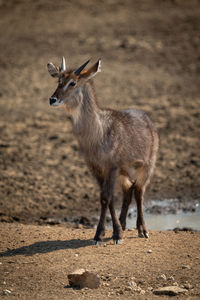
(72, 83)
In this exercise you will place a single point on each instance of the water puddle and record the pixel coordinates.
(169, 221)
(167, 214)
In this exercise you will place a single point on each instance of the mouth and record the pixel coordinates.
(57, 103)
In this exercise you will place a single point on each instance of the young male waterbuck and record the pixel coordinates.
(116, 144)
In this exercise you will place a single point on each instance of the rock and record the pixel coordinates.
(128, 288)
(170, 278)
(6, 292)
(170, 291)
(82, 278)
(142, 292)
(120, 292)
(188, 286)
(149, 251)
(106, 284)
(186, 267)
(162, 277)
(133, 284)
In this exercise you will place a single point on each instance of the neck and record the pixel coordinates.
(85, 117)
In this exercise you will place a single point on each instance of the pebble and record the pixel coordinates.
(132, 284)
(106, 284)
(186, 267)
(7, 292)
(149, 251)
(170, 278)
(188, 286)
(162, 277)
(128, 288)
(170, 291)
(83, 278)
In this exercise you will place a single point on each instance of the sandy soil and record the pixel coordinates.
(35, 262)
(150, 60)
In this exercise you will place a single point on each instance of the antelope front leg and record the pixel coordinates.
(100, 232)
(107, 187)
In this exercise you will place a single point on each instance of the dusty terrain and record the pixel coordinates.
(35, 262)
(150, 54)
(150, 60)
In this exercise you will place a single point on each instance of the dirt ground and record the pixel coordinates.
(150, 60)
(150, 54)
(35, 262)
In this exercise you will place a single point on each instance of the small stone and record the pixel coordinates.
(170, 291)
(170, 278)
(82, 278)
(106, 284)
(186, 267)
(142, 292)
(150, 288)
(128, 288)
(137, 289)
(6, 292)
(188, 286)
(175, 283)
(162, 277)
(133, 278)
(149, 251)
(133, 284)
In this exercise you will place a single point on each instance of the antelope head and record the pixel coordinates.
(70, 81)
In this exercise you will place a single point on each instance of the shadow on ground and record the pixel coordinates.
(47, 246)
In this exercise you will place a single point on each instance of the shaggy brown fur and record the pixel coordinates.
(116, 144)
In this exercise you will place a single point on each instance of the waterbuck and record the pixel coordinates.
(116, 144)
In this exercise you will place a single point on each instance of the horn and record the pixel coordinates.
(78, 71)
(63, 64)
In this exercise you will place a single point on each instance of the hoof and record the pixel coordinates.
(97, 243)
(143, 235)
(118, 242)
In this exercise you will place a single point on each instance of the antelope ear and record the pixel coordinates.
(91, 72)
(53, 71)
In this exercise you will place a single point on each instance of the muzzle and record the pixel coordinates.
(52, 100)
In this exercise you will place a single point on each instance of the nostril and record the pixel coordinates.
(52, 100)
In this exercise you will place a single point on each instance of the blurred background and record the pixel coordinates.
(150, 54)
